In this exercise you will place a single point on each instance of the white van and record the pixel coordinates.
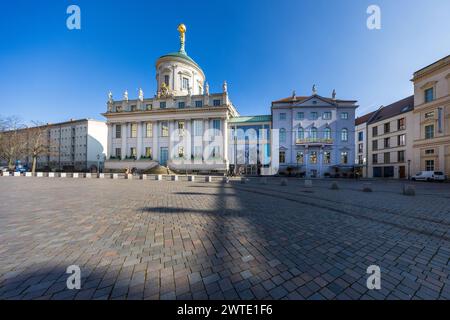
(430, 176)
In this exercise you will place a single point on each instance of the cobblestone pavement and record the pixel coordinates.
(195, 240)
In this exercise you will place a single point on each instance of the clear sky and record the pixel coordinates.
(263, 48)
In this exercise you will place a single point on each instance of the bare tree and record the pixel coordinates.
(12, 140)
(37, 142)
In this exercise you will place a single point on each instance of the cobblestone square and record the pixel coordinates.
(145, 239)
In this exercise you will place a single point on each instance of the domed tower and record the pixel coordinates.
(177, 74)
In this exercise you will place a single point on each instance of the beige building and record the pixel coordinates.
(431, 136)
(389, 140)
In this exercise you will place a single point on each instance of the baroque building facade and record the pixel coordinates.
(183, 127)
(315, 134)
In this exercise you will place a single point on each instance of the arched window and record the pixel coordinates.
(282, 135)
(313, 133)
(300, 133)
(344, 135)
(327, 133)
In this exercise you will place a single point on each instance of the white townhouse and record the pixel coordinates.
(316, 135)
(184, 126)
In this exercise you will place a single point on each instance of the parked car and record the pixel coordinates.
(4, 169)
(20, 168)
(430, 176)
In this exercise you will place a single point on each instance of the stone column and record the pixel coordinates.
(206, 138)
(124, 139)
(139, 140)
(155, 151)
(188, 139)
(171, 132)
(225, 140)
(110, 140)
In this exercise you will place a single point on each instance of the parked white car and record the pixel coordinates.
(430, 176)
(4, 169)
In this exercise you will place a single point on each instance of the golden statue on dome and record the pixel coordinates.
(182, 30)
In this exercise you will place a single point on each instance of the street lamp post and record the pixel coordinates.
(98, 163)
(409, 169)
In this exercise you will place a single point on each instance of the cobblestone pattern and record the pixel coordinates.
(180, 240)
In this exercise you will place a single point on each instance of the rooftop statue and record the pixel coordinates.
(141, 95)
(125, 95)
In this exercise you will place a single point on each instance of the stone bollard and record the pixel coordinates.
(308, 184)
(101, 176)
(63, 175)
(367, 187)
(51, 174)
(174, 178)
(75, 175)
(208, 179)
(409, 190)
(191, 178)
(88, 175)
(115, 176)
(284, 182)
(158, 177)
(5, 174)
(16, 174)
(144, 177)
(39, 174)
(334, 186)
(28, 174)
(129, 176)
(263, 180)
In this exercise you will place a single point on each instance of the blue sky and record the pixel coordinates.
(263, 48)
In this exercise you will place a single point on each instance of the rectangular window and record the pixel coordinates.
(133, 108)
(118, 152)
(429, 151)
(429, 95)
(181, 105)
(198, 128)
(360, 148)
(360, 159)
(148, 152)
(164, 129)
(149, 130)
(118, 131)
(166, 80)
(133, 133)
(216, 103)
(360, 136)
(282, 156)
(313, 157)
(314, 115)
(401, 156)
(387, 127)
(429, 165)
(401, 124)
(300, 116)
(374, 131)
(216, 127)
(282, 116)
(181, 128)
(387, 157)
(375, 158)
(198, 103)
(375, 145)
(185, 83)
(401, 140)
(344, 115)
(162, 105)
(387, 142)
(327, 157)
(327, 115)
(344, 157)
(429, 131)
(133, 152)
